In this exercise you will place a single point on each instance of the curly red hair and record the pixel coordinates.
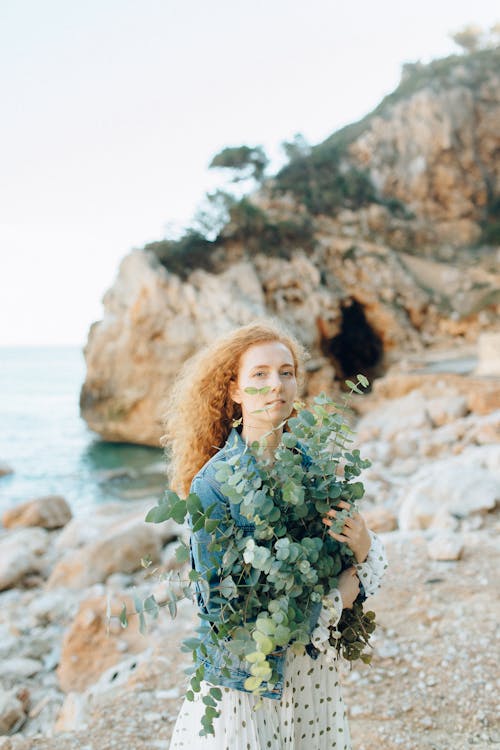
(200, 410)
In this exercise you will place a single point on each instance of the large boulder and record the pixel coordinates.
(89, 647)
(450, 489)
(21, 552)
(118, 551)
(90, 527)
(50, 512)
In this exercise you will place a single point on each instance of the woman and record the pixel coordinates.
(304, 708)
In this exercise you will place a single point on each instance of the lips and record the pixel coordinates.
(276, 401)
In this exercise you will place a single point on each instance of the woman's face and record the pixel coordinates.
(266, 365)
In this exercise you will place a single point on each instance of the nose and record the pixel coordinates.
(275, 381)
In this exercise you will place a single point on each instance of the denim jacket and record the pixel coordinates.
(218, 656)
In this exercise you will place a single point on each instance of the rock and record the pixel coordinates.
(73, 715)
(486, 430)
(50, 512)
(394, 417)
(446, 409)
(407, 157)
(21, 666)
(482, 394)
(153, 322)
(445, 545)
(88, 650)
(88, 528)
(20, 552)
(85, 529)
(5, 469)
(53, 606)
(12, 712)
(488, 348)
(380, 519)
(118, 551)
(451, 487)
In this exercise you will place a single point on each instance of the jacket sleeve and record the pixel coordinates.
(207, 562)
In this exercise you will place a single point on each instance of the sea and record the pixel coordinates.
(48, 445)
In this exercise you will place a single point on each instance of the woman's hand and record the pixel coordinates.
(354, 532)
(348, 585)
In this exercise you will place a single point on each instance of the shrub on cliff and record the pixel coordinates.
(322, 185)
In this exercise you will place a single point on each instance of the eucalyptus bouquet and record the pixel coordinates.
(271, 578)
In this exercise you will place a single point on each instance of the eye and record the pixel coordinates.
(288, 372)
(260, 372)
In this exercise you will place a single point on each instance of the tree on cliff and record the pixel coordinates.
(244, 161)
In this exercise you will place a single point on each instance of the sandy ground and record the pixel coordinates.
(432, 684)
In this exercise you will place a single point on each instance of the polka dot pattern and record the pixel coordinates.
(309, 716)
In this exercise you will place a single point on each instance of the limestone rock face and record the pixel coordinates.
(50, 512)
(436, 151)
(375, 279)
(152, 323)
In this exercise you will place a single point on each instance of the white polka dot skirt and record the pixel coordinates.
(309, 716)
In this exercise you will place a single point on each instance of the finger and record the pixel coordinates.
(331, 512)
(327, 522)
(343, 504)
(339, 537)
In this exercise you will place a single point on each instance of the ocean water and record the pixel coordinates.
(49, 446)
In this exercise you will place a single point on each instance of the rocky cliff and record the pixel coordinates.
(380, 242)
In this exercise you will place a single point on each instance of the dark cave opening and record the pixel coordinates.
(357, 348)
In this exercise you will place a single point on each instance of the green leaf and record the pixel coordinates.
(158, 514)
(191, 644)
(352, 386)
(289, 440)
(199, 523)
(363, 380)
(193, 503)
(179, 511)
(264, 642)
(172, 604)
(137, 602)
(182, 553)
(151, 606)
(307, 417)
(211, 524)
(142, 623)
(252, 683)
(123, 616)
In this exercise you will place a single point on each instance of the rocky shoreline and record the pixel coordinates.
(431, 493)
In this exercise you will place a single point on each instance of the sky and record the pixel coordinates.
(113, 109)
